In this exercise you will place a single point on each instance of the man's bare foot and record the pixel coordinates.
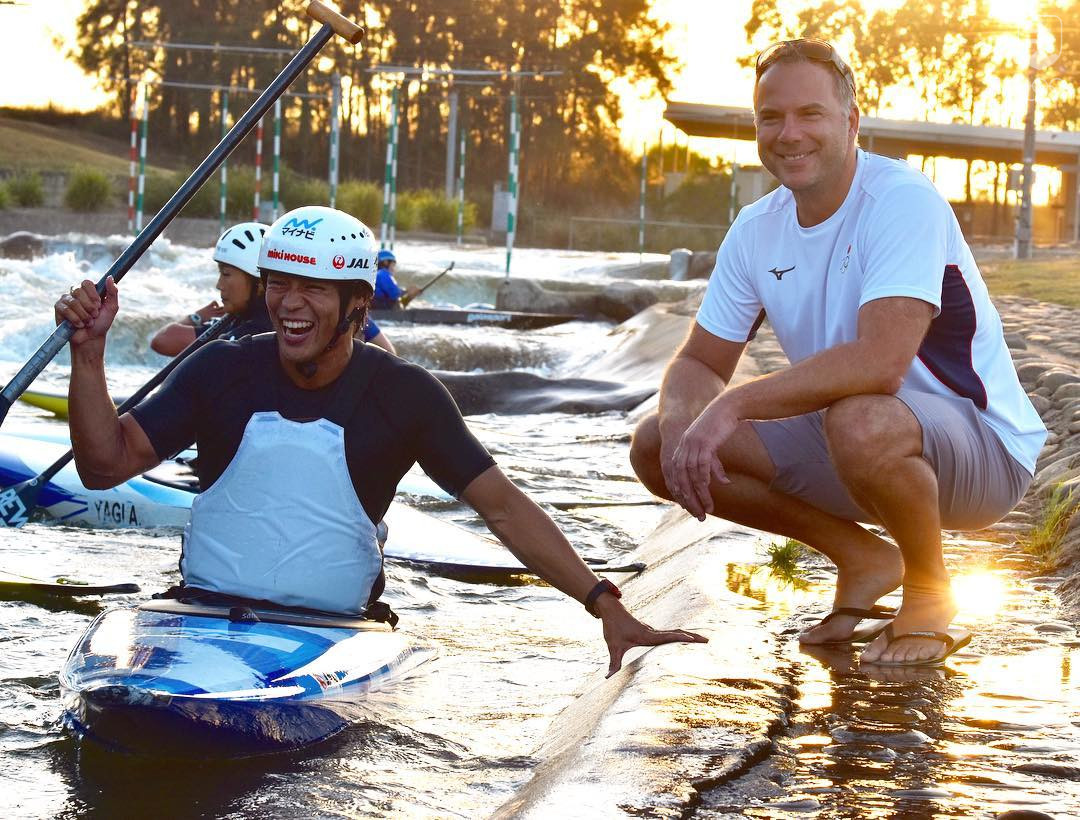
(872, 572)
(922, 611)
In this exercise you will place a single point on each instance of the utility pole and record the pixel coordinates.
(451, 143)
(1023, 220)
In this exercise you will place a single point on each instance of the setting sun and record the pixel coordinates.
(981, 593)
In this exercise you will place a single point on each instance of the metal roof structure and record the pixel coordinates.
(898, 138)
(901, 138)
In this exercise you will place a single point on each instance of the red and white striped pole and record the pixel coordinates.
(134, 157)
(258, 171)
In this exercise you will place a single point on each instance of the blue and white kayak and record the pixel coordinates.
(176, 679)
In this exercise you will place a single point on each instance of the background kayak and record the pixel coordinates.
(162, 498)
(479, 317)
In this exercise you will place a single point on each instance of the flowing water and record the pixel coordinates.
(461, 736)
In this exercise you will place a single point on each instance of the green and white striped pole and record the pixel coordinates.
(142, 156)
(461, 191)
(641, 204)
(512, 186)
(335, 135)
(224, 165)
(277, 157)
(389, 215)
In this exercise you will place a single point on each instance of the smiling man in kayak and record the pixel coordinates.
(303, 437)
(237, 256)
(901, 405)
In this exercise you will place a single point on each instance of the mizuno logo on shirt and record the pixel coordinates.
(779, 274)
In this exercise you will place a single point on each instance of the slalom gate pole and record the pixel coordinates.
(258, 171)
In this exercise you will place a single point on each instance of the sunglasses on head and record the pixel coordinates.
(817, 50)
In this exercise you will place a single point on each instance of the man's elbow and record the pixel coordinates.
(96, 477)
(889, 381)
(96, 481)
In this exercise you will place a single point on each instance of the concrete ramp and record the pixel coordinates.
(678, 718)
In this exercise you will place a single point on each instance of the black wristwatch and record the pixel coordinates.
(601, 587)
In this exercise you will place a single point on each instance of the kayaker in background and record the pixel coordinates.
(237, 257)
(389, 295)
(303, 437)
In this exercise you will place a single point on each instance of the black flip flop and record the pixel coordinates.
(953, 639)
(863, 634)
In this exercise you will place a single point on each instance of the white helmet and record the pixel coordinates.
(239, 247)
(320, 243)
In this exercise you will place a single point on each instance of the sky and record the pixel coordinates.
(707, 35)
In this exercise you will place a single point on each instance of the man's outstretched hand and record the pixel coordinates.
(623, 632)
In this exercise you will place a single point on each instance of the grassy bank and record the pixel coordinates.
(1048, 280)
(29, 146)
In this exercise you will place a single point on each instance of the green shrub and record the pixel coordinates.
(159, 188)
(240, 193)
(88, 189)
(26, 190)
(437, 213)
(298, 191)
(5, 198)
(364, 200)
(408, 212)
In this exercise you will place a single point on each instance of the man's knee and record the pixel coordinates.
(645, 456)
(865, 432)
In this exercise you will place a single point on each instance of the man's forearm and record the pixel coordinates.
(688, 387)
(534, 539)
(812, 384)
(96, 436)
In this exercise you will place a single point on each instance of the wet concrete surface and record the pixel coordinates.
(755, 725)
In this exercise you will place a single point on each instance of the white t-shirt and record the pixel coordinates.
(894, 235)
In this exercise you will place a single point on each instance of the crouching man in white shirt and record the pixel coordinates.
(901, 405)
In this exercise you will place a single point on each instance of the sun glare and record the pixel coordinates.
(980, 593)
(1018, 12)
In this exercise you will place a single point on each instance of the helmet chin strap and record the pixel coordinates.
(308, 369)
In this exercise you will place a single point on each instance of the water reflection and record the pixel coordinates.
(992, 731)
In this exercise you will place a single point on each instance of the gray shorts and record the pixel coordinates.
(979, 482)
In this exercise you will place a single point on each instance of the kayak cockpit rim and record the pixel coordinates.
(271, 616)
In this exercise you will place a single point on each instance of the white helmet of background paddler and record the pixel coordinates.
(320, 243)
(239, 247)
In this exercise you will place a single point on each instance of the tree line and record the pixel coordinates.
(558, 56)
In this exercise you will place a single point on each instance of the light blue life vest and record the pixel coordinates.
(282, 523)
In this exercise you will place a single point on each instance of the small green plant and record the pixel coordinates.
(27, 190)
(1048, 531)
(5, 198)
(784, 560)
(87, 190)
